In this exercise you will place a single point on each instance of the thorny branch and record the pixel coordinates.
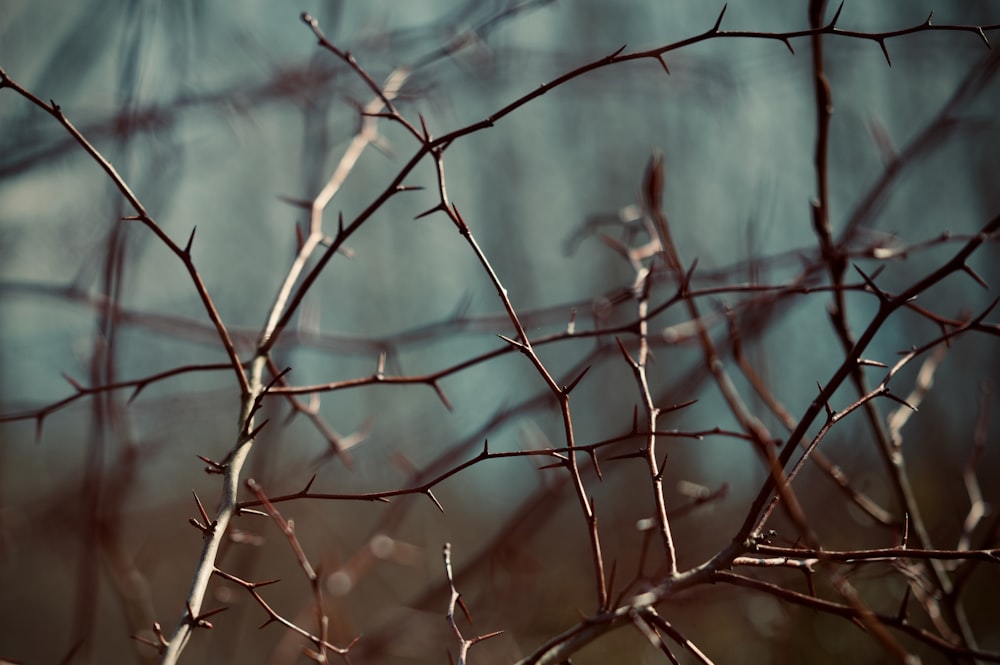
(259, 379)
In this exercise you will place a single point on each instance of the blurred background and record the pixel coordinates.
(222, 118)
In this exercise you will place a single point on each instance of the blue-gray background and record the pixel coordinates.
(213, 111)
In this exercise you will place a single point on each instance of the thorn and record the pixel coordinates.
(826, 404)
(677, 407)
(628, 358)
(253, 435)
(902, 401)
(639, 454)
(465, 610)
(836, 16)
(929, 17)
(571, 326)
(135, 393)
(974, 275)
(885, 52)
(647, 285)
(278, 377)
(906, 530)
(561, 464)
(982, 36)
(72, 382)
(438, 208)
(567, 389)
(463, 228)
(251, 511)
(686, 284)
(663, 63)
(597, 467)
(257, 585)
(444, 398)
(663, 468)
(187, 247)
(213, 466)
(380, 366)
(611, 58)
(869, 281)
(409, 188)
(718, 21)
(788, 43)
(486, 448)
(299, 240)
(305, 490)
(517, 345)
(423, 125)
(901, 614)
(210, 524)
(487, 636)
(295, 203)
(433, 498)
(871, 363)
